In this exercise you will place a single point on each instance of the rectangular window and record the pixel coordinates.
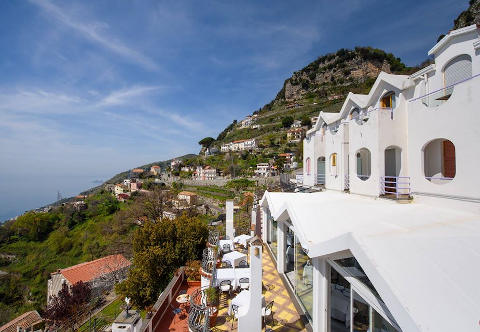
(386, 102)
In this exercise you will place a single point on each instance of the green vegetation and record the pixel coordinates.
(41, 243)
(159, 248)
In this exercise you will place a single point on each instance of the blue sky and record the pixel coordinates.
(91, 88)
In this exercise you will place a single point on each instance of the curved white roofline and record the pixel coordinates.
(451, 35)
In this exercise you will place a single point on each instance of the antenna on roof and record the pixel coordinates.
(127, 301)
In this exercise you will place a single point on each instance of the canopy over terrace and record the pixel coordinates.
(422, 260)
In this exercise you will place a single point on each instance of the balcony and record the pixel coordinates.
(440, 96)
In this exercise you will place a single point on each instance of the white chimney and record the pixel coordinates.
(230, 232)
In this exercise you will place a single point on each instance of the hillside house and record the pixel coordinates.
(361, 261)
(295, 135)
(205, 173)
(175, 163)
(240, 145)
(29, 321)
(187, 196)
(155, 170)
(288, 159)
(120, 188)
(264, 170)
(137, 171)
(135, 186)
(122, 197)
(296, 124)
(170, 214)
(101, 274)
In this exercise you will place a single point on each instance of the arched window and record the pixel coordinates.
(388, 100)
(456, 70)
(354, 114)
(308, 166)
(439, 162)
(363, 164)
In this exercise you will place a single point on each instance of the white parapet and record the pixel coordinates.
(230, 231)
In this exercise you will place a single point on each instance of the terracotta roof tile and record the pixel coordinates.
(25, 321)
(91, 270)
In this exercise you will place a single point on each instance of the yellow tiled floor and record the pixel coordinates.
(285, 316)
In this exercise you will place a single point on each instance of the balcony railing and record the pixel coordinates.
(198, 316)
(395, 186)
(439, 96)
(346, 182)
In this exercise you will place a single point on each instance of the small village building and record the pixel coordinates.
(240, 145)
(135, 186)
(137, 170)
(120, 189)
(170, 214)
(296, 124)
(101, 274)
(122, 197)
(155, 169)
(205, 173)
(263, 170)
(175, 163)
(28, 321)
(187, 196)
(295, 135)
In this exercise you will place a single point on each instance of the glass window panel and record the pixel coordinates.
(355, 270)
(380, 324)
(304, 277)
(339, 302)
(273, 242)
(361, 314)
(290, 256)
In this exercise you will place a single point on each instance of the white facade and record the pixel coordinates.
(263, 169)
(242, 145)
(397, 133)
(205, 173)
(355, 261)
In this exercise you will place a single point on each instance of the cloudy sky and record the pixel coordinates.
(91, 88)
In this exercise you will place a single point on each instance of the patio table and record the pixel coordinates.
(242, 300)
(242, 239)
(234, 258)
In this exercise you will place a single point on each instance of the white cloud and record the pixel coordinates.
(122, 96)
(92, 32)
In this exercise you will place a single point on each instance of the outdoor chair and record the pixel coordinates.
(226, 264)
(226, 248)
(243, 263)
(176, 312)
(226, 286)
(244, 283)
(267, 311)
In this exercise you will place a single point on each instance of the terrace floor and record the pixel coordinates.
(285, 316)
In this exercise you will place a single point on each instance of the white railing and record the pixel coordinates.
(398, 186)
(346, 183)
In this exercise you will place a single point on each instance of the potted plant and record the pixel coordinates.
(212, 302)
(192, 271)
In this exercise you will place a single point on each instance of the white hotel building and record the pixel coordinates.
(392, 243)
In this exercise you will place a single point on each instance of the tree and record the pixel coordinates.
(35, 226)
(159, 248)
(206, 142)
(69, 304)
(306, 121)
(287, 121)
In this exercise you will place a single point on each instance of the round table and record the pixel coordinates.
(183, 298)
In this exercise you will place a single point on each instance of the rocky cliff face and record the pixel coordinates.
(333, 74)
(469, 16)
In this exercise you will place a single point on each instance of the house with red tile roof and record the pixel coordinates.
(101, 274)
(25, 321)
